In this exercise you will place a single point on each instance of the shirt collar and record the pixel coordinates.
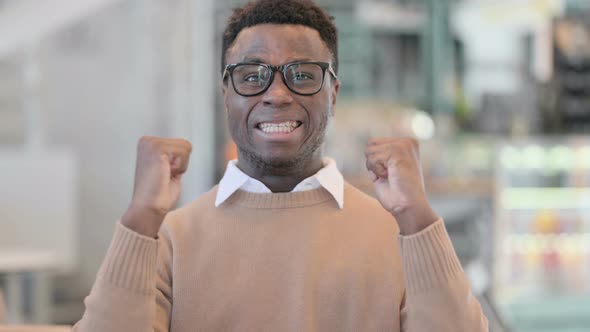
(329, 177)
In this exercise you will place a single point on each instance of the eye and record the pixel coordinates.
(258, 76)
(303, 73)
(254, 77)
(301, 76)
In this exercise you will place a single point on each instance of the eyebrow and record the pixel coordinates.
(251, 59)
(260, 60)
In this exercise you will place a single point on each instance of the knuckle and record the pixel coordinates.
(182, 144)
(145, 143)
(413, 142)
(189, 146)
(143, 140)
(398, 162)
(372, 141)
(371, 158)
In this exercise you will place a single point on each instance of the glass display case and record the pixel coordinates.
(542, 234)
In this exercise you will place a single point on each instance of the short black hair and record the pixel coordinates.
(297, 12)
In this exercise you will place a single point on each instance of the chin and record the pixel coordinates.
(281, 161)
(275, 161)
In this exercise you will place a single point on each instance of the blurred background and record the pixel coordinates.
(498, 92)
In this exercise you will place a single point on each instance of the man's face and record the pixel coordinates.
(249, 118)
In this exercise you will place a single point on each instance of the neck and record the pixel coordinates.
(281, 179)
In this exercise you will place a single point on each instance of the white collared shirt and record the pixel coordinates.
(328, 177)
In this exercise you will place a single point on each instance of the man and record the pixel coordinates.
(283, 243)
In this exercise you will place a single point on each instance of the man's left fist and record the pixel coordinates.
(395, 170)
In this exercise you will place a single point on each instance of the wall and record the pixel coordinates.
(125, 72)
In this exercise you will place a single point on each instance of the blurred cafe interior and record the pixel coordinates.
(497, 92)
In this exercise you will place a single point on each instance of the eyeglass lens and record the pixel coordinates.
(304, 78)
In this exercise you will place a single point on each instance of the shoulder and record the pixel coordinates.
(184, 219)
(359, 203)
(359, 199)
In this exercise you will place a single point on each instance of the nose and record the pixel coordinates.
(278, 94)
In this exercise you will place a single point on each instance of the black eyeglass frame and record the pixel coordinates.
(229, 69)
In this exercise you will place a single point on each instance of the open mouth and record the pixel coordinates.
(284, 127)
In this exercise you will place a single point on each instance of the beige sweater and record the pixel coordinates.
(282, 262)
(2, 309)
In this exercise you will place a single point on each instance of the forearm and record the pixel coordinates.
(415, 218)
(438, 295)
(2, 309)
(124, 295)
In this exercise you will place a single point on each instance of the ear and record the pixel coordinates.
(334, 94)
(223, 88)
(224, 91)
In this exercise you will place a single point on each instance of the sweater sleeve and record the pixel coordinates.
(438, 296)
(2, 309)
(132, 291)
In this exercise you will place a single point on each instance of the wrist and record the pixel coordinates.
(412, 220)
(144, 221)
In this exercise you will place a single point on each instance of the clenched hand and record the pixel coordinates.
(160, 164)
(396, 173)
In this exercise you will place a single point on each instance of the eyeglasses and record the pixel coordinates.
(303, 78)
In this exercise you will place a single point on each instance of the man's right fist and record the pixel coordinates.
(160, 164)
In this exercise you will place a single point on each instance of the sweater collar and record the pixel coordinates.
(328, 178)
(288, 200)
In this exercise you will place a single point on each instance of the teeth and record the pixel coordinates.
(283, 127)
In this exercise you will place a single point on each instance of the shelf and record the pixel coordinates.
(542, 243)
(545, 198)
(548, 313)
(556, 158)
